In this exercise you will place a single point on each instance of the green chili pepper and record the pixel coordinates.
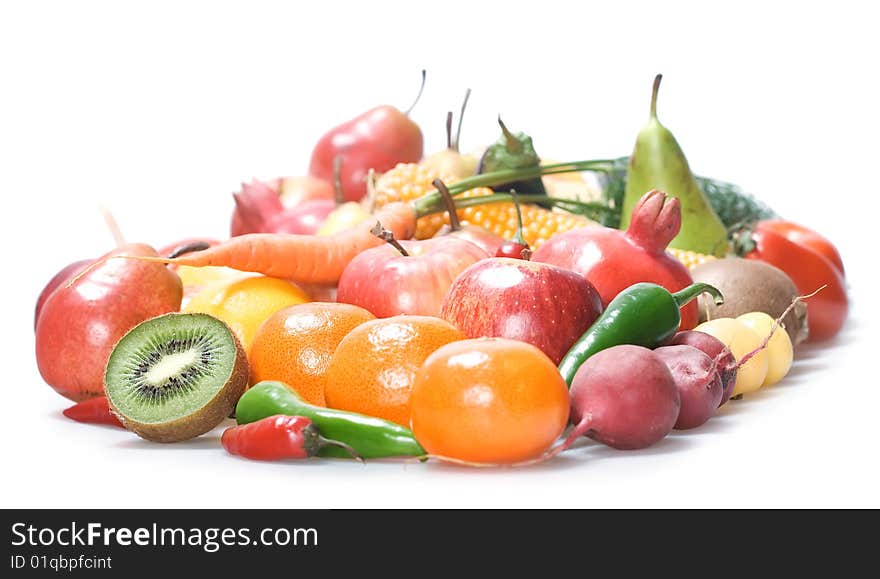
(644, 314)
(369, 437)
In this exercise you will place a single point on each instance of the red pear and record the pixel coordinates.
(79, 324)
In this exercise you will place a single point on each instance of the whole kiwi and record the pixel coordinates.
(749, 285)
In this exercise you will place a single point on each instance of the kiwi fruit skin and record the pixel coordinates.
(750, 285)
(221, 406)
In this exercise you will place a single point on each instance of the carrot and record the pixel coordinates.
(320, 260)
(299, 258)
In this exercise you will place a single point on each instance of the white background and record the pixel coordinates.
(160, 110)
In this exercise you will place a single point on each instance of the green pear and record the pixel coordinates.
(657, 162)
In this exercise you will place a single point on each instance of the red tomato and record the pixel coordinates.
(809, 270)
(806, 237)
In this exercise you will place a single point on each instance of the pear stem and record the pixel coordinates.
(449, 144)
(338, 195)
(513, 145)
(656, 89)
(467, 95)
(418, 96)
(454, 223)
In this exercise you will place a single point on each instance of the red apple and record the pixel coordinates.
(79, 325)
(544, 305)
(62, 276)
(387, 283)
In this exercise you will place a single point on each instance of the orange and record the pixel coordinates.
(489, 400)
(243, 303)
(374, 367)
(294, 345)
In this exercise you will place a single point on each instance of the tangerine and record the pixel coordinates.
(374, 367)
(488, 400)
(294, 345)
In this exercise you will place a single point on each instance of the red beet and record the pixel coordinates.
(624, 397)
(698, 381)
(715, 349)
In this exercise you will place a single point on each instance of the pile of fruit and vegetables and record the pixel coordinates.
(490, 308)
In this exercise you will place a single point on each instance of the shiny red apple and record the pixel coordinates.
(544, 305)
(387, 283)
(79, 325)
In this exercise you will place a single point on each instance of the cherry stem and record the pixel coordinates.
(418, 96)
(467, 95)
(513, 145)
(454, 223)
(449, 131)
(338, 195)
(518, 234)
(388, 237)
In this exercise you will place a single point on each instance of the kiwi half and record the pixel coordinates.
(176, 376)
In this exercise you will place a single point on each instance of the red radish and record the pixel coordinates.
(613, 260)
(624, 397)
(715, 349)
(698, 381)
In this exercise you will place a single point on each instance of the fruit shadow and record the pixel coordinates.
(204, 442)
(582, 453)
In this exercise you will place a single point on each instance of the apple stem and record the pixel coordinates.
(455, 144)
(454, 223)
(513, 145)
(388, 237)
(418, 96)
(338, 194)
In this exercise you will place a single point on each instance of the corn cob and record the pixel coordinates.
(407, 182)
(690, 259)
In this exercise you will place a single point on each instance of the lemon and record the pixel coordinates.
(244, 303)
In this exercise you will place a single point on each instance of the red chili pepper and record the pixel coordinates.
(93, 411)
(809, 270)
(277, 437)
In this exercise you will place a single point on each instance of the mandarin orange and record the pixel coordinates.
(373, 369)
(488, 400)
(294, 345)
